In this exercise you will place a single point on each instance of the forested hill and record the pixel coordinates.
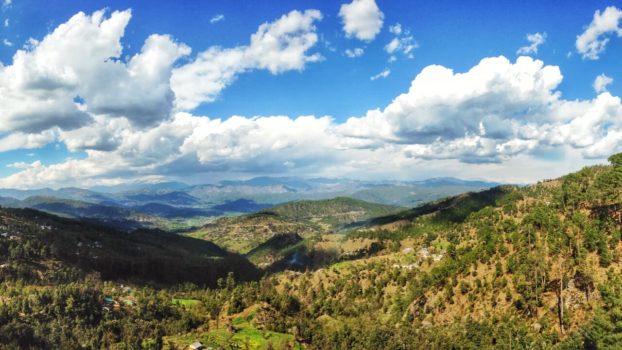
(453, 209)
(306, 218)
(336, 211)
(41, 248)
(540, 267)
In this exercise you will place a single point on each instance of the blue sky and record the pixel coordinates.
(320, 81)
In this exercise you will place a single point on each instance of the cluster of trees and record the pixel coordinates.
(72, 316)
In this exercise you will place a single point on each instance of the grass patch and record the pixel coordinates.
(245, 338)
(240, 322)
(256, 339)
(342, 264)
(186, 302)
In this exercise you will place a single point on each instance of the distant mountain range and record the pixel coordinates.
(178, 205)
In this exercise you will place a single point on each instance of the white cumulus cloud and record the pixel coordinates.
(20, 140)
(217, 18)
(361, 19)
(492, 112)
(601, 82)
(356, 52)
(47, 86)
(403, 42)
(593, 41)
(497, 112)
(385, 73)
(41, 85)
(121, 113)
(535, 40)
(277, 46)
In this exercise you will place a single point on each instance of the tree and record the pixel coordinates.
(610, 182)
(616, 160)
(603, 332)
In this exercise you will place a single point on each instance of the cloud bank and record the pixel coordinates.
(133, 118)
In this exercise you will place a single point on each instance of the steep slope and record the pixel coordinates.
(274, 249)
(43, 248)
(533, 267)
(452, 209)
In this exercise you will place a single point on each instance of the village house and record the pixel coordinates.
(197, 345)
(406, 266)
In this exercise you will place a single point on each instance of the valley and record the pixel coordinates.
(536, 266)
(179, 206)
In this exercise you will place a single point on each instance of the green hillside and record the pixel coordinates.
(275, 249)
(40, 248)
(534, 267)
(332, 212)
(243, 233)
(305, 218)
(453, 209)
(539, 267)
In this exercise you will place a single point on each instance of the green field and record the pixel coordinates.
(244, 336)
(186, 302)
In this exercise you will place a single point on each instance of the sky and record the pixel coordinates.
(108, 92)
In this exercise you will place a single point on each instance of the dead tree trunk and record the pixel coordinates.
(560, 297)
